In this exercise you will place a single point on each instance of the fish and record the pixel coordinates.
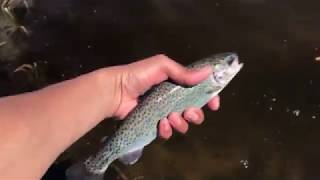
(140, 127)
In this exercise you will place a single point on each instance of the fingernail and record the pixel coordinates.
(193, 117)
(166, 126)
(208, 68)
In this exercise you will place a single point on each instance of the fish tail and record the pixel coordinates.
(79, 172)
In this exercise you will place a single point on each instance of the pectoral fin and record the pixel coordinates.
(131, 157)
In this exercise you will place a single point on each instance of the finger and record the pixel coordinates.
(178, 123)
(214, 103)
(162, 68)
(165, 130)
(182, 75)
(194, 115)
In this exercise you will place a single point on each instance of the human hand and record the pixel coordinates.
(136, 78)
(58, 115)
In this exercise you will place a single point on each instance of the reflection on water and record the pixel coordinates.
(268, 124)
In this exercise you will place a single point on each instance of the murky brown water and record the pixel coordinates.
(269, 123)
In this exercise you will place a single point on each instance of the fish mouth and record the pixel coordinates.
(232, 58)
(234, 63)
(228, 71)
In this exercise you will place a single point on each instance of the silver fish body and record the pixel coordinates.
(140, 127)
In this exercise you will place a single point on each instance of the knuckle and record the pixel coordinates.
(162, 57)
(164, 60)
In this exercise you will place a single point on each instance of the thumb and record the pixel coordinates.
(151, 71)
(181, 74)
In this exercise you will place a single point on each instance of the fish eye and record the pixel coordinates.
(217, 66)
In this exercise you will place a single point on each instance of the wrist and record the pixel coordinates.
(109, 81)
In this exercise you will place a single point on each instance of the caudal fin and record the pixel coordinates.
(79, 172)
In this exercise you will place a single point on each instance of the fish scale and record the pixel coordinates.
(140, 127)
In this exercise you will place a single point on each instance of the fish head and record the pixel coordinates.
(225, 66)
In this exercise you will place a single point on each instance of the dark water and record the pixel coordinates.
(269, 122)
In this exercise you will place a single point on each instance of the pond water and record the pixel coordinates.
(268, 126)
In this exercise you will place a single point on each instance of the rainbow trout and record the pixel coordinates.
(140, 127)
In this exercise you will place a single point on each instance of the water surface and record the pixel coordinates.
(268, 124)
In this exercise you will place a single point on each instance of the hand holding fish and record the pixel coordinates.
(37, 127)
(138, 77)
(140, 128)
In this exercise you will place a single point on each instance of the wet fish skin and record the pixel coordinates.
(140, 127)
